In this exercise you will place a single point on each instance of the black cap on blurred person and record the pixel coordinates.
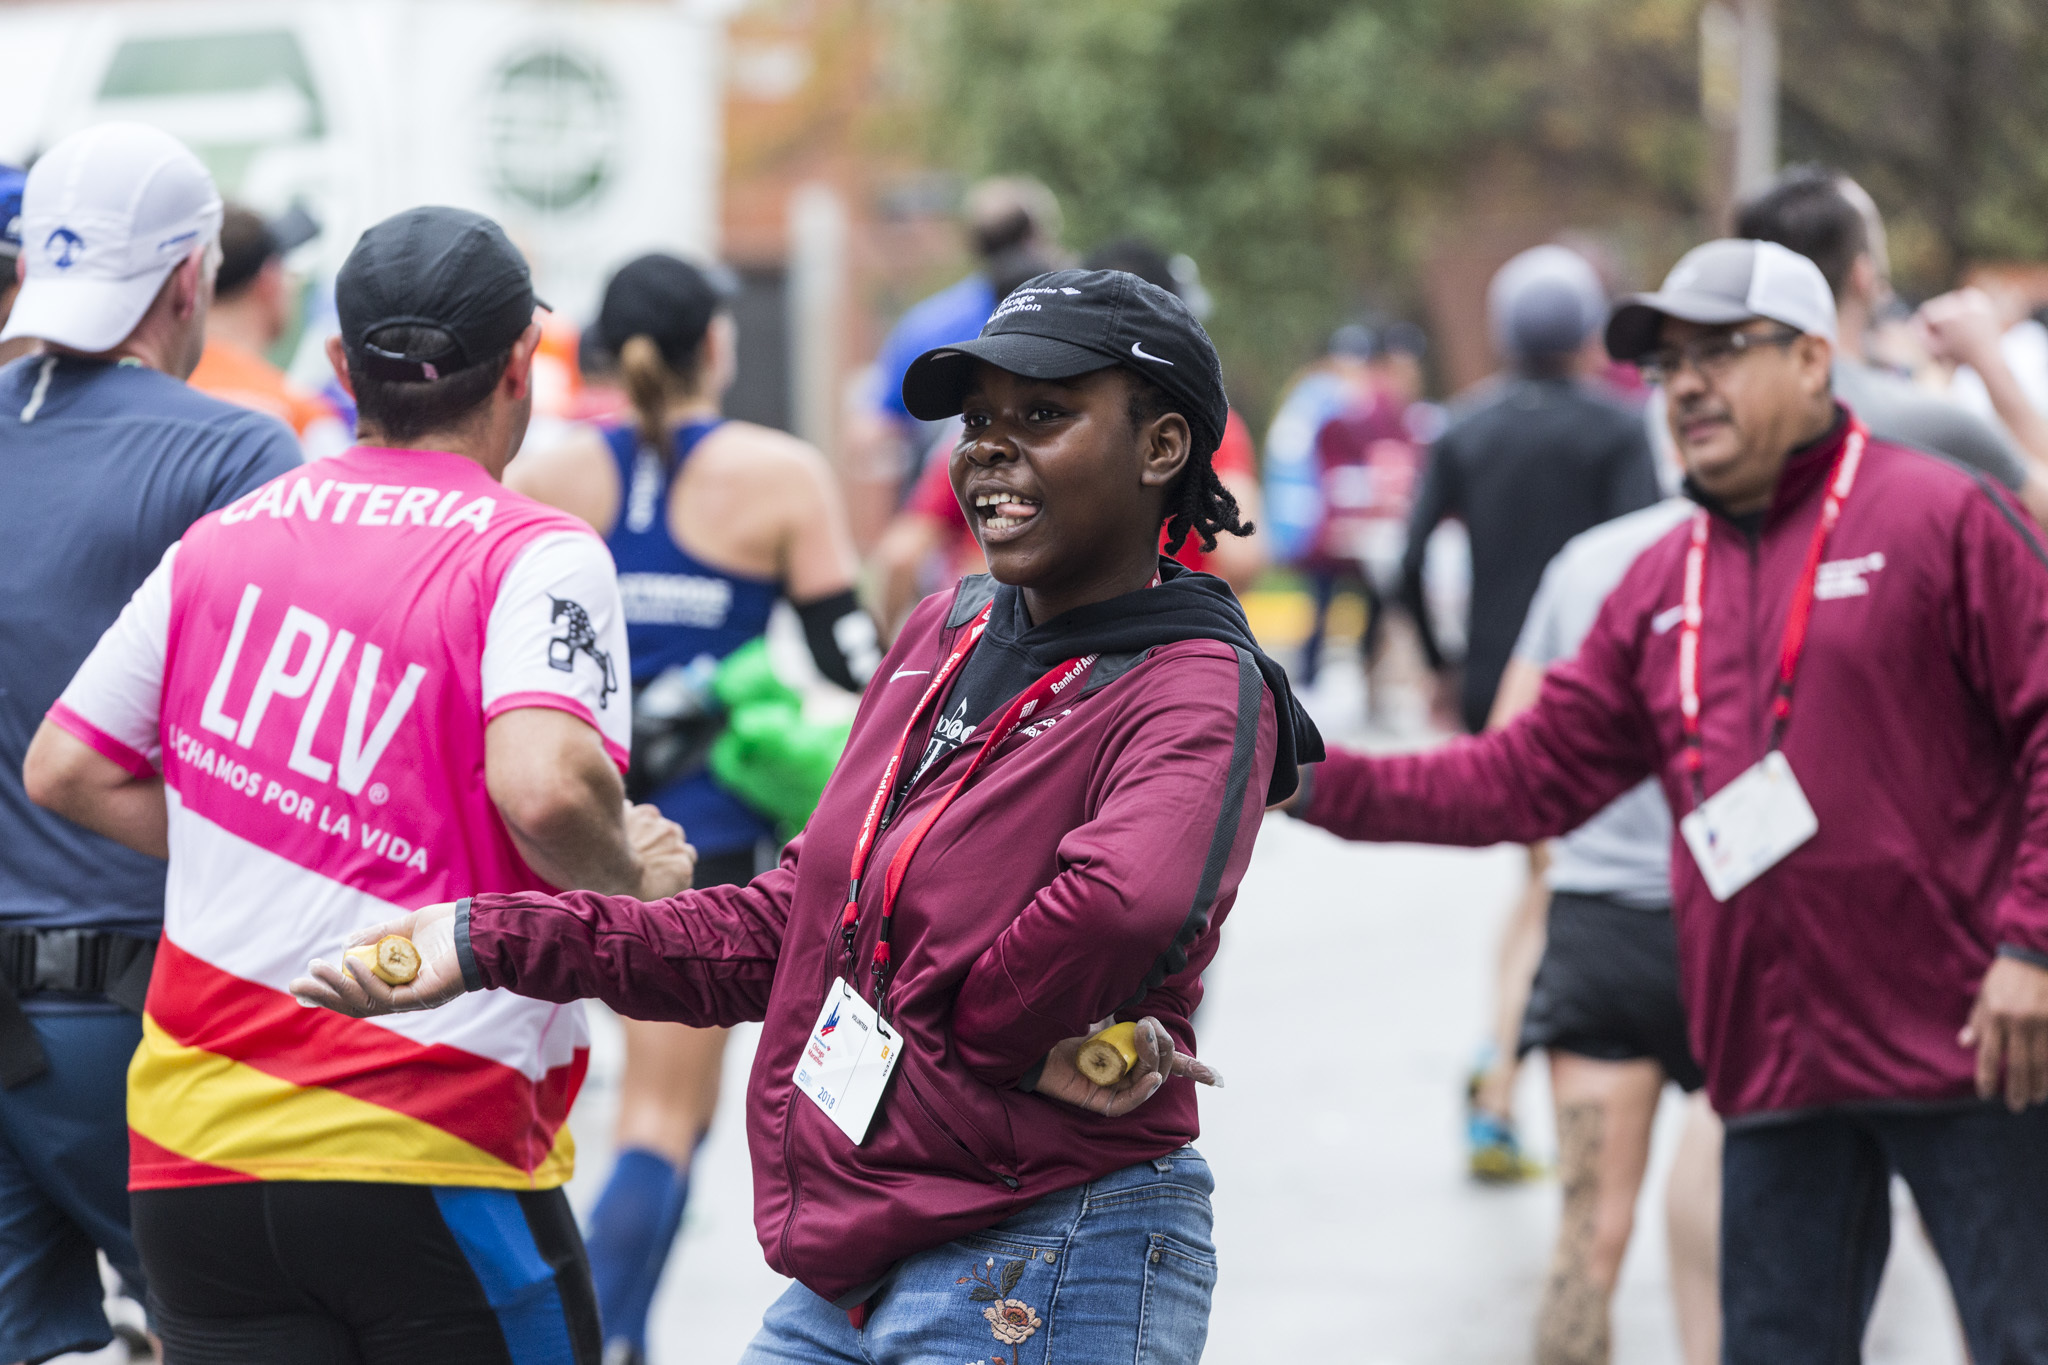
(666, 299)
(1073, 322)
(1176, 274)
(249, 241)
(1353, 340)
(1400, 338)
(450, 272)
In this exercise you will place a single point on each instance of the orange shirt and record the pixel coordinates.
(246, 379)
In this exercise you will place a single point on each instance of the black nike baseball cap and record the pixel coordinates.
(442, 268)
(1073, 322)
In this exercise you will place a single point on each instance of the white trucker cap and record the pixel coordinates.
(106, 215)
(1727, 281)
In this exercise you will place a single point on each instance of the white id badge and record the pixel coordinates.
(1745, 829)
(847, 1060)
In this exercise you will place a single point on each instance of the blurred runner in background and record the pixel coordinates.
(1829, 219)
(1535, 459)
(1605, 1003)
(1368, 460)
(11, 181)
(252, 310)
(106, 457)
(1294, 491)
(1013, 228)
(366, 683)
(932, 525)
(1963, 328)
(710, 522)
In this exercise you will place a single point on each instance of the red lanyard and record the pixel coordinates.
(1840, 480)
(1023, 707)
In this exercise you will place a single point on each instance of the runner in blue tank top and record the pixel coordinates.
(683, 616)
(710, 522)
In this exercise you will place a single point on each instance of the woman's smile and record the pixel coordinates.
(1004, 515)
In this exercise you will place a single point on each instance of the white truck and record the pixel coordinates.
(589, 128)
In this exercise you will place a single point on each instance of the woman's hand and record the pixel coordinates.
(1157, 1059)
(354, 990)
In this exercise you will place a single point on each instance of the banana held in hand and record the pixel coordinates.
(1109, 1056)
(392, 957)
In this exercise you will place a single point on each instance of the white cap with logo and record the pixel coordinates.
(1724, 282)
(107, 214)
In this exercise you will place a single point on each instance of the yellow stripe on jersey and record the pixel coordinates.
(178, 1095)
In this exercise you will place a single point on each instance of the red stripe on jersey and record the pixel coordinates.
(151, 1167)
(485, 1103)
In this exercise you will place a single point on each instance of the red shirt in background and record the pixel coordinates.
(1369, 463)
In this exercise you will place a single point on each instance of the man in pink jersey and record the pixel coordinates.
(372, 683)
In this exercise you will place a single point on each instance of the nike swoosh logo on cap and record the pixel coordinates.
(1139, 351)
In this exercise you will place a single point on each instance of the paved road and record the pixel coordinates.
(1347, 1229)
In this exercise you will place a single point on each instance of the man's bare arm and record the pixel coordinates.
(565, 806)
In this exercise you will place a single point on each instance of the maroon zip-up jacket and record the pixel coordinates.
(1085, 871)
(1918, 730)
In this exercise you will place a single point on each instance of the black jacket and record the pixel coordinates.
(1527, 467)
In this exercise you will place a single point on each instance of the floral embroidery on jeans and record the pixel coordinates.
(1012, 1321)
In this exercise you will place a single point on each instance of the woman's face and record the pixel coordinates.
(1063, 494)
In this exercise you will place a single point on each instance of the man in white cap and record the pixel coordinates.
(1837, 669)
(106, 457)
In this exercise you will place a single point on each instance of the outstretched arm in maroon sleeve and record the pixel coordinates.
(705, 958)
(1587, 740)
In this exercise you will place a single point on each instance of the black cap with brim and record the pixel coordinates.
(1633, 328)
(935, 386)
(1074, 322)
(449, 270)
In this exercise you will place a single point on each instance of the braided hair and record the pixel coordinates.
(1197, 504)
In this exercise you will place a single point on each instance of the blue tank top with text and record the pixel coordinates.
(680, 609)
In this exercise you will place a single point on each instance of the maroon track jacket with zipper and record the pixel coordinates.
(1085, 870)
(1918, 731)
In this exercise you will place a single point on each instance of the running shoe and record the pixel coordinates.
(1495, 1152)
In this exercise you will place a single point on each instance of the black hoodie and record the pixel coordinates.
(1186, 605)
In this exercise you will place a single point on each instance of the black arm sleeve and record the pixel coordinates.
(842, 638)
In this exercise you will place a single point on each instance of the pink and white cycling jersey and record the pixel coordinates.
(312, 669)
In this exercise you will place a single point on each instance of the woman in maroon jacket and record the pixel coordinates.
(1050, 793)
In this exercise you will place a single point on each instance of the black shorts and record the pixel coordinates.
(1607, 987)
(350, 1273)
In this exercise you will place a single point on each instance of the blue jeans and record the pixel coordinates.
(64, 1186)
(1117, 1270)
(1806, 1225)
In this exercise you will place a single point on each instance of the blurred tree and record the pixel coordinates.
(1308, 154)
(1936, 107)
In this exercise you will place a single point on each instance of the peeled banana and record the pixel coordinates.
(392, 958)
(1109, 1056)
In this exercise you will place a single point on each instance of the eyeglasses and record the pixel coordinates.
(1713, 355)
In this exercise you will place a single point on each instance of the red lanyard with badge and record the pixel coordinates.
(852, 1049)
(1753, 823)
